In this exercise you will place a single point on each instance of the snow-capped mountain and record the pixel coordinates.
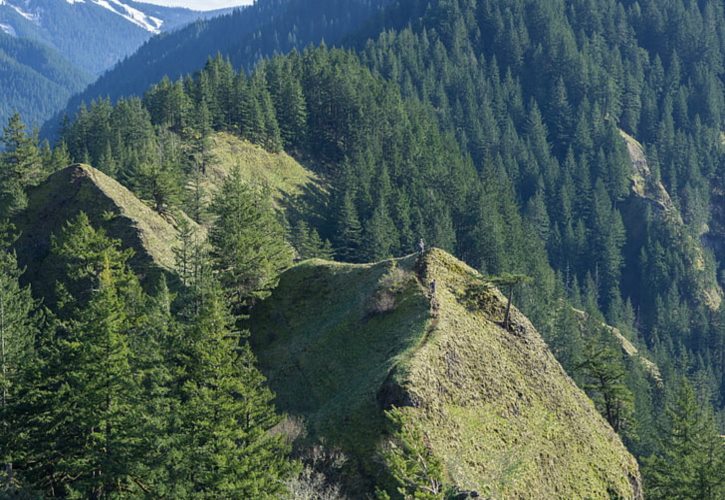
(52, 49)
(91, 34)
(131, 14)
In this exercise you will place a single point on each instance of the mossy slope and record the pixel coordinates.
(495, 406)
(108, 205)
(282, 174)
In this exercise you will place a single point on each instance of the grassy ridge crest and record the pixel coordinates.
(495, 406)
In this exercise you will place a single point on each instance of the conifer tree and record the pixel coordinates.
(221, 447)
(349, 230)
(158, 182)
(60, 159)
(83, 430)
(248, 241)
(378, 237)
(18, 328)
(79, 254)
(690, 461)
(308, 244)
(509, 282)
(603, 374)
(20, 166)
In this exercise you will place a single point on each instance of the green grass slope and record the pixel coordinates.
(340, 343)
(108, 205)
(281, 173)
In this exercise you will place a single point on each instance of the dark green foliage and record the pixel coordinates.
(308, 244)
(80, 253)
(18, 328)
(20, 166)
(222, 445)
(81, 408)
(602, 373)
(690, 462)
(491, 129)
(248, 241)
(126, 395)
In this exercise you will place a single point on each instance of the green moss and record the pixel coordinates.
(494, 404)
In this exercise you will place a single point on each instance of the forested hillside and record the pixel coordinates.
(570, 150)
(91, 34)
(245, 36)
(50, 50)
(34, 79)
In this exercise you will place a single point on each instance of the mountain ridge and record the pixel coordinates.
(110, 206)
(35, 79)
(447, 364)
(92, 34)
(243, 36)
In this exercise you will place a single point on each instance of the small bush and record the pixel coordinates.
(383, 301)
(292, 428)
(390, 285)
(312, 485)
(321, 474)
(394, 280)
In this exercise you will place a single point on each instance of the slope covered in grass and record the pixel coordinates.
(108, 205)
(282, 174)
(341, 343)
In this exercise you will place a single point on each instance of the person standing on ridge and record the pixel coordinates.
(421, 246)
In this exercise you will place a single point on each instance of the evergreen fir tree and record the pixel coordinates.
(82, 431)
(348, 230)
(308, 244)
(690, 461)
(222, 446)
(18, 328)
(248, 241)
(604, 375)
(20, 166)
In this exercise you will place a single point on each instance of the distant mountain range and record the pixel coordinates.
(51, 49)
(35, 79)
(244, 36)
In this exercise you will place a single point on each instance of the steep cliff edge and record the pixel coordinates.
(649, 193)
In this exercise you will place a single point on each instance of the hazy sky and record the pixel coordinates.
(200, 4)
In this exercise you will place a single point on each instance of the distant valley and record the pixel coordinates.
(52, 49)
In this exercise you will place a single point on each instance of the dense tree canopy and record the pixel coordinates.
(503, 131)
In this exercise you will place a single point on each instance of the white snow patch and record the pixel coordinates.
(6, 28)
(27, 15)
(75, 1)
(135, 16)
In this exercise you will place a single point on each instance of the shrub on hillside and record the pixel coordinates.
(390, 285)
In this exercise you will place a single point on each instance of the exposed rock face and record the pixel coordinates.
(108, 205)
(494, 404)
(650, 193)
